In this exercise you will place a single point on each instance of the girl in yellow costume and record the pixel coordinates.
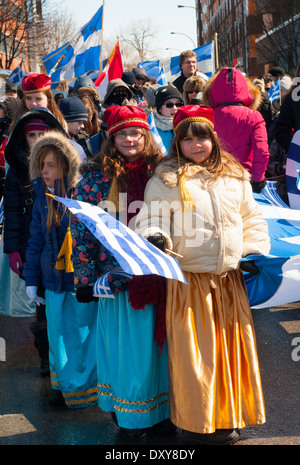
(205, 212)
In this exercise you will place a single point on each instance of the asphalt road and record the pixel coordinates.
(27, 418)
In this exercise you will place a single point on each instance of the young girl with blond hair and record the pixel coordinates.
(199, 204)
(54, 164)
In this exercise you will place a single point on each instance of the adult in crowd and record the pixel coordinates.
(240, 127)
(84, 85)
(167, 100)
(193, 90)
(188, 66)
(289, 119)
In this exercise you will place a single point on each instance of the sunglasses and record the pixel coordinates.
(171, 105)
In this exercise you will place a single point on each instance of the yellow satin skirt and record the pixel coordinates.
(213, 365)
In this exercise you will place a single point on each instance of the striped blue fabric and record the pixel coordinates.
(274, 91)
(155, 134)
(135, 255)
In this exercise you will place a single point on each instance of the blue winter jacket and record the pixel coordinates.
(44, 246)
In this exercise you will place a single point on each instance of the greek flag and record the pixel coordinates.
(135, 255)
(278, 281)
(17, 75)
(205, 63)
(274, 91)
(77, 57)
(292, 172)
(155, 134)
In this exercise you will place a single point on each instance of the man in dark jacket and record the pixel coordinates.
(188, 65)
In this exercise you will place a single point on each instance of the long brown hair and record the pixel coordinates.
(219, 163)
(114, 163)
(92, 126)
(63, 167)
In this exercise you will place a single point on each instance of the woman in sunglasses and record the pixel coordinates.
(167, 101)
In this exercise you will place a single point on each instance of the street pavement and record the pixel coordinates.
(27, 418)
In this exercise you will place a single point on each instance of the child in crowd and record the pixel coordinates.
(131, 354)
(209, 217)
(54, 164)
(19, 196)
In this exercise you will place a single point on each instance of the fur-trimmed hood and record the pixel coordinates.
(230, 86)
(57, 140)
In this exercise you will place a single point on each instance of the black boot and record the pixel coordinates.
(39, 330)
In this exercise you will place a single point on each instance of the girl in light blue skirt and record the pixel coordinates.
(71, 325)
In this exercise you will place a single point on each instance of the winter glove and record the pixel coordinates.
(85, 295)
(31, 292)
(257, 187)
(15, 262)
(249, 267)
(159, 241)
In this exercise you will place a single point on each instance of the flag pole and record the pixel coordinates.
(100, 64)
(216, 50)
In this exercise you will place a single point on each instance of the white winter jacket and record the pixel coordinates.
(226, 225)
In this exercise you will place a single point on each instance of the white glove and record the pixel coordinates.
(31, 292)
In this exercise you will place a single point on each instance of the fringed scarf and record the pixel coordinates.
(147, 289)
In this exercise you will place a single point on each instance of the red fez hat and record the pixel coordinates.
(36, 83)
(193, 113)
(125, 116)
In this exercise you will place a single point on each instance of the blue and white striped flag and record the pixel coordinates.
(17, 75)
(274, 91)
(292, 172)
(135, 255)
(77, 57)
(205, 63)
(278, 281)
(162, 80)
(155, 134)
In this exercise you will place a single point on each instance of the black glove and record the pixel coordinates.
(249, 267)
(258, 186)
(159, 241)
(85, 294)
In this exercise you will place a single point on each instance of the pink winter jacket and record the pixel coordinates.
(241, 129)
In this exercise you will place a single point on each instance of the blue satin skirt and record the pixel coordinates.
(133, 377)
(72, 347)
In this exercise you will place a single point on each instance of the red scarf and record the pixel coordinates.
(146, 289)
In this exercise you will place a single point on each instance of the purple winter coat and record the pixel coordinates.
(241, 129)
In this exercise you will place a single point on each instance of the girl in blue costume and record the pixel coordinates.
(54, 164)
(131, 350)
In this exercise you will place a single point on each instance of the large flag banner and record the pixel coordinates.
(278, 280)
(135, 255)
(17, 75)
(112, 70)
(205, 63)
(78, 56)
(274, 91)
(292, 172)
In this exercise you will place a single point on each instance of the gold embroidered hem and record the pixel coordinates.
(213, 365)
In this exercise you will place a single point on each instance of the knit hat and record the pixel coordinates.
(125, 116)
(285, 83)
(277, 72)
(191, 113)
(140, 72)
(36, 125)
(73, 109)
(11, 87)
(128, 77)
(36, 83)
(165, 93)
